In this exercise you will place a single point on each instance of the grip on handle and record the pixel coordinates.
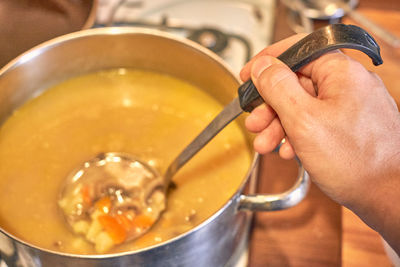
(311, 47)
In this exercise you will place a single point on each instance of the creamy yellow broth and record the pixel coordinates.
(146, 114)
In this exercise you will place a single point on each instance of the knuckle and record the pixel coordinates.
(275, 76)
(340, 62)
(376, 78)
(303, 126)
(336, 67)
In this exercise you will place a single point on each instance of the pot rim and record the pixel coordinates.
(41, 48)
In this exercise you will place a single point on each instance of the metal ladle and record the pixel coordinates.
(137, 187)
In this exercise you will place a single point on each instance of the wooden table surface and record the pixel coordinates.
(319, 232)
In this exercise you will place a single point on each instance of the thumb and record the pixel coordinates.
(279, 87)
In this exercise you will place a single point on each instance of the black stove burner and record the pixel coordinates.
(212, 39)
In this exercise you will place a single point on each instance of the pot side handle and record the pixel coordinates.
(274, 202)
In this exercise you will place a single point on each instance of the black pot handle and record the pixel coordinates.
(311, 47)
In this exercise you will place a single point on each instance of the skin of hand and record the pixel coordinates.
(343, 125)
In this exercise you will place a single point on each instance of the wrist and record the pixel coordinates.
(378, 205)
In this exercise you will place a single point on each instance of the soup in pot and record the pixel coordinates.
(150, 115)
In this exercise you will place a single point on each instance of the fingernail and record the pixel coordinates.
(260, 65)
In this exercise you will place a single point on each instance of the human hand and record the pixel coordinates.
(340, 121)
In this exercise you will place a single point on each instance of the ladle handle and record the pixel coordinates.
(311, 47)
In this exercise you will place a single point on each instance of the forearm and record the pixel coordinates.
(379, 207)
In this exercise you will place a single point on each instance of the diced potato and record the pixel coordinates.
(94, 229)
(96, 214)
(81, 227)
(158, 200)
(103, 242)
(79, 244)
(69, 204)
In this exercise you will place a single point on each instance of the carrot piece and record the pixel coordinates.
(104, 204)
(129, 221)
(142, 221)
(86, 196)
(113, 228)
(124, 221)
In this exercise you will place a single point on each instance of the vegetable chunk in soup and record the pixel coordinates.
(146, 114)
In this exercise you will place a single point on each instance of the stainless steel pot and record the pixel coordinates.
(219, 240)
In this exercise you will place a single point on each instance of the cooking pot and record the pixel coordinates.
(219, 240)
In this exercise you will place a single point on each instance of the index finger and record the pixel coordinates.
(273, 50)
